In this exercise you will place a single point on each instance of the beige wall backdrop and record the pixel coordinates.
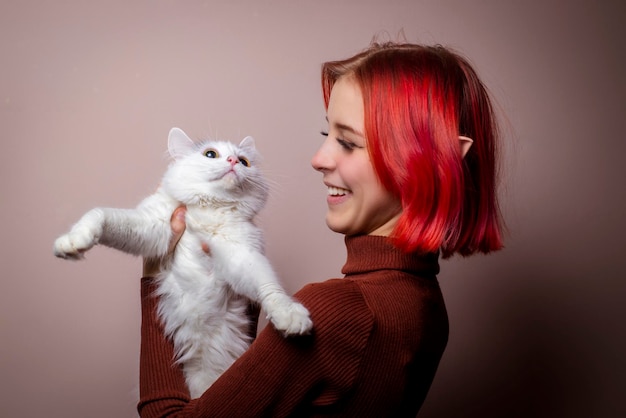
(89, 91)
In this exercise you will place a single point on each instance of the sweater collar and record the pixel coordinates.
(368, 253)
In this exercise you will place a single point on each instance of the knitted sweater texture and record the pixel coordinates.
(379, 334)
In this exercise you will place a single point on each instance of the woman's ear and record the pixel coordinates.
(466, 144)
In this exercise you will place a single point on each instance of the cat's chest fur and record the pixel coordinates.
(224, 224)
(212, 222)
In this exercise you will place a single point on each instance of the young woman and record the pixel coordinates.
(409, 160)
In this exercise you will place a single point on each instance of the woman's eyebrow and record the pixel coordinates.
(344, 127)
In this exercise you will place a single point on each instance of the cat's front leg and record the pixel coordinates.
(286, 314)
(250, 274)
(83, 235)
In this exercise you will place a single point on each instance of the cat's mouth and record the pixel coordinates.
(230, 179)
(230, 173)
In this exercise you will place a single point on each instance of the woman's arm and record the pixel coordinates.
(158, 375)
(276, 376)
(239, 392)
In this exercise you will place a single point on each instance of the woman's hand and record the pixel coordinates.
(152, 266)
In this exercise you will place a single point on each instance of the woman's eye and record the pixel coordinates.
(244, 161)
(346, 144)
(211, 153)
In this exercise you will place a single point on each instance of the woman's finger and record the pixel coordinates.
(177, 223)
(152, 266)
(206, 248)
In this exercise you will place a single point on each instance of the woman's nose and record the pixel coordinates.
(322, 159)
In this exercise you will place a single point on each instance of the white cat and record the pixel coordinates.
(203, 298)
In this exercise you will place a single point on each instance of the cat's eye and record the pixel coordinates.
(211, 153)
(244, 161)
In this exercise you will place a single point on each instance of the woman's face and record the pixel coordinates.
(357, 202)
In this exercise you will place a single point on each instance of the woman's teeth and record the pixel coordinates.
(336, 191)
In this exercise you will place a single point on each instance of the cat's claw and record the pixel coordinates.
(293, 320)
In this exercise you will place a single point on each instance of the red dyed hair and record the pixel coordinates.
(418, 100)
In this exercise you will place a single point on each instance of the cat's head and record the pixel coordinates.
(215, 173)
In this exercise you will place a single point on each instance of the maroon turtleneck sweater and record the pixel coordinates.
(379, 334)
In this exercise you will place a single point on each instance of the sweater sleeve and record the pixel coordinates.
(276, 376)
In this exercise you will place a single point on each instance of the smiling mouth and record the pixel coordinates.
(336, 191)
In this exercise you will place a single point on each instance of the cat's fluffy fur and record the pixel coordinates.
(202, 299)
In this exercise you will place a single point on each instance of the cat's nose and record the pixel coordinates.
(232, 160)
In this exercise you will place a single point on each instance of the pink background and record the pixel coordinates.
(89, 90)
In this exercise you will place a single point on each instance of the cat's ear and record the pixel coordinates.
(179, 144)
(247, 143)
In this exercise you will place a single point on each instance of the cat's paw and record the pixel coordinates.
(292, 319)
(84, 235)
(72, 246)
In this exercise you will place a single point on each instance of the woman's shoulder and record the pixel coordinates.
(329, 291)
(336, 303)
